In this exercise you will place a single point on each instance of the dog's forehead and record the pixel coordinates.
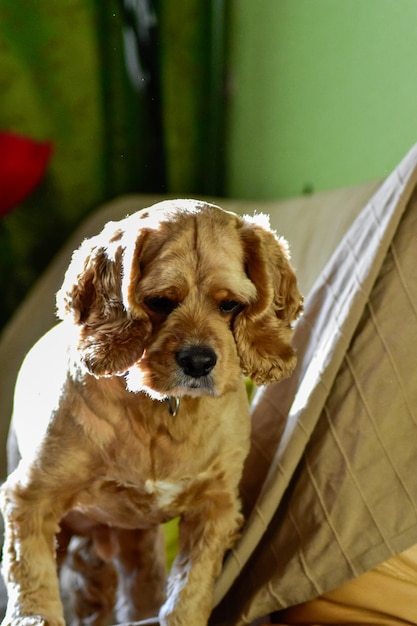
(189, 229)
(185, 212)
(174, 209)
(192, 241)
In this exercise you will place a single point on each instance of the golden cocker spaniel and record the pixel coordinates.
(133, 411)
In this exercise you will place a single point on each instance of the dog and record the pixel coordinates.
(133, 410)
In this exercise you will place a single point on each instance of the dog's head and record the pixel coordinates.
(182, 298)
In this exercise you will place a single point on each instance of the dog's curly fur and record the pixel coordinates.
(175, 301)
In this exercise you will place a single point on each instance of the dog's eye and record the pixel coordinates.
(160, 304)
(230, 306)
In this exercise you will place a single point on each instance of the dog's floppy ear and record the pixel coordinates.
(95, 296)
(263, 330)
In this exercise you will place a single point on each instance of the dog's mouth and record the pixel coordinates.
(187, 385)
(183, 386)
(191, 374)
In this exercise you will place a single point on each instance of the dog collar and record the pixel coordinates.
(173, 405)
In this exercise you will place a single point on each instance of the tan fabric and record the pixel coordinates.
(339, 488)
(385, 596)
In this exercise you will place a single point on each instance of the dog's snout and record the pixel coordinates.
(196, 361)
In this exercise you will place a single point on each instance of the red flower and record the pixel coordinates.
(22, 166)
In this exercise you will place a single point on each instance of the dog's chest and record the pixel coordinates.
(147, 477)
(128, 504)
(164, 492)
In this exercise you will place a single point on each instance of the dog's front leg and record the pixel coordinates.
(29, 566)
(204, 538)
(141, 568)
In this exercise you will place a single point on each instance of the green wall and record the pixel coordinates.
(323, 93)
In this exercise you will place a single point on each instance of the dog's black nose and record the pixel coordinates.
(196, 361)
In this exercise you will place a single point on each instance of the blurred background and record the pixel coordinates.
(239, 98)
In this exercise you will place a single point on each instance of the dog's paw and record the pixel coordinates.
(178, 617)
(32, 620)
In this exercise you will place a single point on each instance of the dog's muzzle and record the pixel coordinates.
(196, 361)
